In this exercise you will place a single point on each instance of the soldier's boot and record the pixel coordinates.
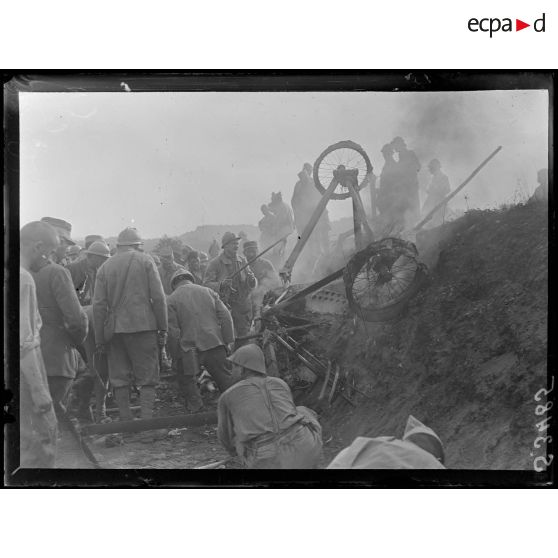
(147, 403)
(100, 403)
(83, 388)
(192, 397)
(122, 398)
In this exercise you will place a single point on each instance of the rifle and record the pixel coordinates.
(256, 257)
(226, 293)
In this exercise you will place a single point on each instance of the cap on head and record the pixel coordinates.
(98, 248)
(423, 437)
(435, 164)
(251, 357)
(307, 167)
(90, 238)
(74, 250)
(228, 237)
(250, 244)
(181, 275)
(129, 237)
(63, 228)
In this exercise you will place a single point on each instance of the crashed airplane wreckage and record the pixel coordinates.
(375, 285)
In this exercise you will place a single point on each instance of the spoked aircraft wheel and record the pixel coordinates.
(346, 155)
(382, 278)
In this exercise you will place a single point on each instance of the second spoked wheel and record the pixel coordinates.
(382, 278)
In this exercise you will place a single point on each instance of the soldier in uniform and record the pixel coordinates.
(200, 334)
(420, 448)
(84, 271)
(167, 268)
(38, 425)
(438, 189)
(194, 266)
(234, 291)
(541, 192)
(64, 320)
(90, 238)
(263, 269)
(130, 319)
(64, 230)
(259, 421)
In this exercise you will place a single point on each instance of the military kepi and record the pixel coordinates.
(63, 228)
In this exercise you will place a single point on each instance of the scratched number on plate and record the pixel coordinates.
(541, 462)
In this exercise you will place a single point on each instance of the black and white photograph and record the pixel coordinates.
(241, 277)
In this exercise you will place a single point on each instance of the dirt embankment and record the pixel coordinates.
(470, 352)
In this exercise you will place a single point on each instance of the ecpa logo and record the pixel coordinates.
(494, 24)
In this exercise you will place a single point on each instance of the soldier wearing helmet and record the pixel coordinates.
(235, 291)
(420, 448)
(259, 422)
(130, 317)
(200, 334)
(90, 238)
(84, 270)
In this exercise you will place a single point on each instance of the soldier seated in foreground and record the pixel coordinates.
(420, 448)
(259, 422)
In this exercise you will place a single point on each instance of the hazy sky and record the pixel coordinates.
(168, 162)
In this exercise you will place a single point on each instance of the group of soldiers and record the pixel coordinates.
(397, 199)
(99, 319)
(111, 313)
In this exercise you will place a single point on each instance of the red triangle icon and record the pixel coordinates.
(519, 25)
